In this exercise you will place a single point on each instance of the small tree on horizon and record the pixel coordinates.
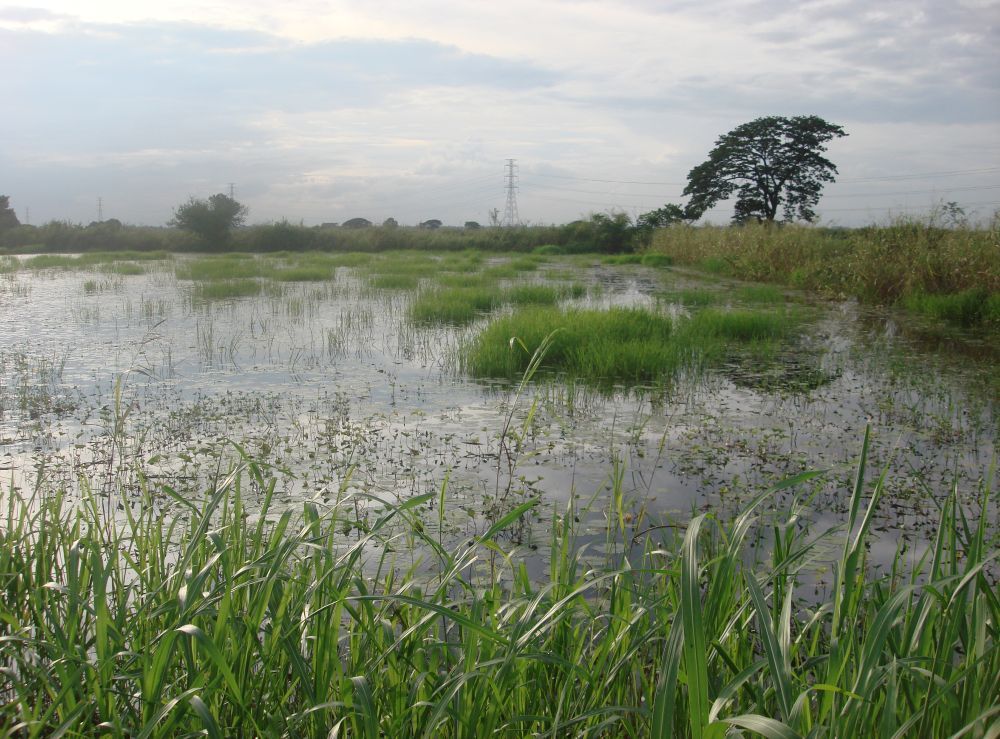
(768, 163)
(8, 218)
(212, 219)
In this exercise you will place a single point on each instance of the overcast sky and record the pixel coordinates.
(324, 110)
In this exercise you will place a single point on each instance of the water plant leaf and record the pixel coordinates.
(694, 651)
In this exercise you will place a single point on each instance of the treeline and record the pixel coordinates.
(605, 233)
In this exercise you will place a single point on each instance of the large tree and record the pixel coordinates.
(769, 163)
(211, 219)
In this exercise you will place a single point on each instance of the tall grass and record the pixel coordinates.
(229, 267)
(894, 264)
(455, 305)
(227, 620)
(109, 261)
(226, 289)
(620, 345)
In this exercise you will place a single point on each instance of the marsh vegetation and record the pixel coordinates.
(461, 493)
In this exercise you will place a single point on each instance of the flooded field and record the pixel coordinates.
(350, 375)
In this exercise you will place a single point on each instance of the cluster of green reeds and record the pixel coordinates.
(102, 260)
(620, 345)
(228, 619)
(918, 264)
(460, 305)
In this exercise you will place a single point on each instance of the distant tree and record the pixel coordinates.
(950, 215)
(769, 163)
(494, 218)
(212, 219)
(612, 232)
(472, 226)
(646, 223)
(357, 223)
(8, 218)
(661, 217)
(390, 223)
(432, 223)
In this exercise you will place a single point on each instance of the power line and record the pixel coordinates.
(615, 182)
(549, 188)
(913, 192)
(947, 173)
(891, 208)
(950, 173)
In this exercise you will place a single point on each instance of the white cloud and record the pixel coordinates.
(326, 110)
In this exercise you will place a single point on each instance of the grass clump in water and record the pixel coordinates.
(620, 344)
(738, 325)
(227, 289)
(304, 273)
(394, 281)
(227, 268)
(691, 298)
(653, 259)
(456, 306)
(622, 259)
(532, 295)
(760, 294)
(967, 308)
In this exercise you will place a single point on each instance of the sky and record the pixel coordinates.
(323, 110)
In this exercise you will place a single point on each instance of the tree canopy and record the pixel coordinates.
(768, 163)
(211, 219)
(8, 218)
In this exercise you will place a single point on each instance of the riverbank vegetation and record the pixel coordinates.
(235, 616)
(948, 273)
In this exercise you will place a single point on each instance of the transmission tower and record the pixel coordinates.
(100, 209)
(510, 217)
(232, 189)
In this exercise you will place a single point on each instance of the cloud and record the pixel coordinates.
(325, 111)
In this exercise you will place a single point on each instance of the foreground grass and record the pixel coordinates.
(225, 622)
(948, 273)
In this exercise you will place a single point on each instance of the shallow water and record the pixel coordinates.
(330, 383)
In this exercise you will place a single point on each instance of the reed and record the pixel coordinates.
(629, 346)
(913, 263)
(226, 289)
(455, 305)
(224, 620)
(229, 267)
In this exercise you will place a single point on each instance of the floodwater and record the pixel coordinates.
(103, 375)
